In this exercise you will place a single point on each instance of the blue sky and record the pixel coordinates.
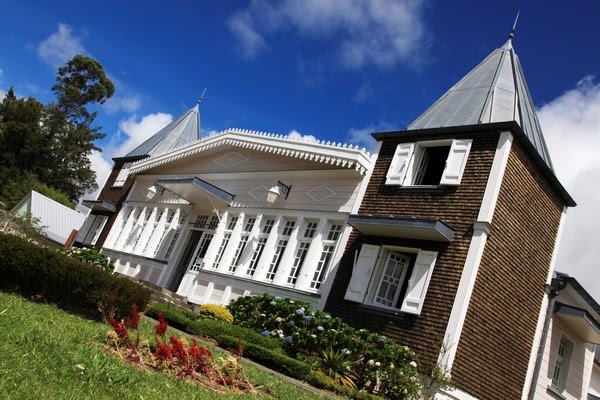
(335, 69)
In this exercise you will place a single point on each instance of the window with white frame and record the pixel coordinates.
(207, 225)
(329, 244)
(391, 277)
(157, 218)
(226, 237)
(249, 222)
(429, 163)
(180, 221)
(562, 362)
(267, 227)
(282, 243)
(302, 250)
(122, 177)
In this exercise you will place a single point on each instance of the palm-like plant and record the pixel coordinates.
(338, 367)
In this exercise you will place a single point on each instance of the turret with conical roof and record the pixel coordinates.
(494, 91)
(182, 131)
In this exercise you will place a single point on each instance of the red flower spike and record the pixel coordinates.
(134, 322)
(161, 327)
(120, 329)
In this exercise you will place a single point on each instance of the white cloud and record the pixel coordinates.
(295, 135)
(379, 32)
(102, 167)
(128, 104)
(362, 136)
(60, 47)
(138, 132)
(571, 126)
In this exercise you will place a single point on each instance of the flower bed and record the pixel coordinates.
(353, 357)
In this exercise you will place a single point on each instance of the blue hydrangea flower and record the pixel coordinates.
(273, 303)
(287, 339)
(299, 311)
(266, 333)
(292, 325)
(327, 316)
(307, 318)
(320, 328)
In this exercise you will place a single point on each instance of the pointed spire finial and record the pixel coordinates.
(202, 97)
(512, 31)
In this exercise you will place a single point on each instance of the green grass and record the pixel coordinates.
(46, 353)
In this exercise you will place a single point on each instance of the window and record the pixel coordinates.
(393, 278)
(280, 248)
(431, 163)
(560, 372)
(302, 251)
(260, 245)
(122, 177)
(249, 224)
(329, 241)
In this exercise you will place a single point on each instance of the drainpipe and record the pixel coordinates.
(552, 290)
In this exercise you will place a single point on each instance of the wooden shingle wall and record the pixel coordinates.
(457, 206)
(494, 349)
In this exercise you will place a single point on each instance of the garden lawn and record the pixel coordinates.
(46, 353)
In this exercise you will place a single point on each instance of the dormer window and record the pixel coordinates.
(430, 163)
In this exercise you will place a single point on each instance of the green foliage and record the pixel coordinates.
(52, 142)
(47, 275)
(373, 362)
(90, 257)
(215, 312)
(14, 186)
(338, 366)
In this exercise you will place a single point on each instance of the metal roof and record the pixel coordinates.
(494, 91)
(178, 133)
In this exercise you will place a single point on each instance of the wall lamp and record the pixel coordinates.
(277, 191)
(152, 190)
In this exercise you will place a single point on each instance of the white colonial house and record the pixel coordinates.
(234, 213)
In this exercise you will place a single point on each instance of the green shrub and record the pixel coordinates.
(215, 312)
(91, 257)
(373, 362)
(177, 317)
(47, 275)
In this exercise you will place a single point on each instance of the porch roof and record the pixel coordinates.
(194, 189)
(409, 228)
(580, 321)
(99, 206)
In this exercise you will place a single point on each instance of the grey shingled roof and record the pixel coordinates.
(494, 91)
(184, 130)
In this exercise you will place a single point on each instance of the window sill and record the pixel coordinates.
(555, 392)
(395, 312)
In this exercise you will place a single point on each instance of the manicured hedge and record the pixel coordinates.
(47, 275)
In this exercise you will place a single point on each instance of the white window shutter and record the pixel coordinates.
(456, 162)
(122, 177)
(399, 165)
(361, 273)
(419, 282)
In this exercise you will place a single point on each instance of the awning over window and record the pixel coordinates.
(409, 228)
(195, 189)
(580, 321)
(99, 206)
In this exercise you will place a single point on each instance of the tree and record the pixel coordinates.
(20, 134)
(68, 128)
(52, 143)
